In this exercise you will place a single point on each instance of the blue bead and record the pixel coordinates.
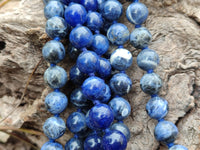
(74, 144)
(104, 69)
(76, 76)
(121, 108)
(114, 140)
(56, 102)
(81, 37)
(88, 122)
(178, 147)
(157, 108)
(121, 127)
(56, 27)
(120, 84)
(90, 5)
(53, 8)
(140, 37)
(92, 142)
(166, 132)
(73, 52)
(112, 10)
(148, 59)
(118, 34)
(121, 59)
(151, 83)
(94, 21)
(94, 88)
(54, 127)
(137, 13)
(100, 116)
(75, 14)
(106, 95)
(55, 77)
(52, 146)
(53, 52)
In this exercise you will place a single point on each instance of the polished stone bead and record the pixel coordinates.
(53, 8)
(54, 127)
(137, 13)
(147, 59)
(90, 5)
(92, 142)
(56, 102)
(157, 108)
(53, 51)
(104, 69)
(121, 127)
(94, 21)
(120, 84)
(89, 123)
(73, 52)
(75, 14)
(166, 132)
(178, 147)
(118, 34)
(106, 95)
(112, 10)
(74, 144)
(121, 59)
(121, 108)
(140, 38)
(56, 27)
(52, 146)
(114, 140)
(151, 83)
(55, 77)
(94, 88)
(88, 62)
(81, 37)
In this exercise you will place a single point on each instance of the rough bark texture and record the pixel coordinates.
(174, 25)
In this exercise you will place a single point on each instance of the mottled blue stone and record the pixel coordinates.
(92, 142)
(53, 8)
(178, 147)
(166, 132)
(148, 59)
(106, 95)
(137, 13)
(111, 10)
(94, 88)
(81, 37)
(121, 59)
(74, 144)
(90, 5)
(73, 52)
(75, 14)
(55, 77)
(56, 102)
(121, 127)
(104, 69)
(151, 83)
(120, 84)
(54, 127)
(121, 108)
(157, 108)
(53, 51)
(94, 21)
(89, 123)
(140, 37)
(56, 27)
(114, 140)
(100, 44)
(52, 146)
(118, 34)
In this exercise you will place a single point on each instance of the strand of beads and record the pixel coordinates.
(157, 107)
(55, 76)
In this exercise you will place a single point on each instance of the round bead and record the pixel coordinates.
(114, 140)
(151, 83)
(157, 108)
(53, 8)
(81, 37)
(74, 144)
(90, 5)
(106, 95)
(137, 13)
(121, 59)
(121, 108)
(147, 59)
(55, 77)
(94, 21)
(120, 84)
(75, 14)
(104, 69)
(56, 102)
(52, 146)
(166, 132)
(112, 10)
(54, 127)
(53, 52)
(178, 147)
(73, 52)
(118, 34)
(92, 142)
(94, 88)
(121, 127)
(140, 38)
(56, 27)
